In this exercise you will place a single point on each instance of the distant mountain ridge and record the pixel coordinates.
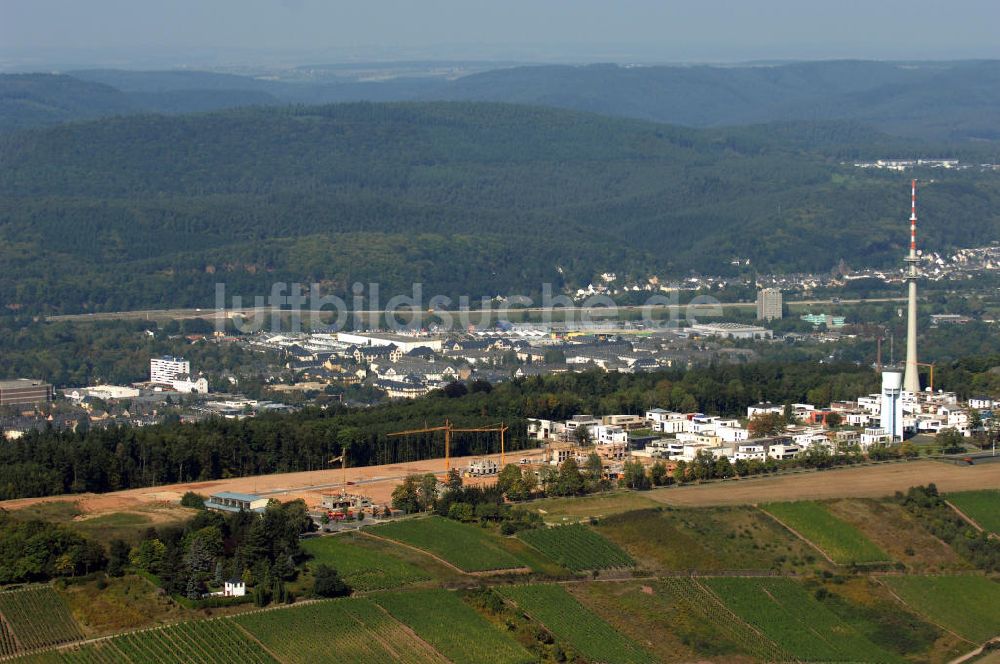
(949, 101)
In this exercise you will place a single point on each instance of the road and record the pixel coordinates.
(181, 314)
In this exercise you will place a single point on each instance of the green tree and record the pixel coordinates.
(634, 475)
(428, 491)
(763, 425)
(570, 480)
(509, 479)
(193, 500)
(327, 582)
(118, 554)
(454, 479)
(951, 441)
(658, 473)
(406, 496)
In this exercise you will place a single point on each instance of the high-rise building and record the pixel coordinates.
(769, 304)
(891, 409)
(167, 369)
(24, 391)
(911, 377)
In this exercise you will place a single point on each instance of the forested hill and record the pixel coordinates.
(477, 199)
(957, 101)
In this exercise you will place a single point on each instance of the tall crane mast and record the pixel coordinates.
(450, 429)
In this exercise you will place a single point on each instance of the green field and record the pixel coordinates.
(468, 548)
(983, 507)
(363, 568)
(38, 617)
(577, 547)
(351, 630)
(199, 642)
(842, 542)
(786, 613)
(969, 605)
(570, 621)
(706, 539)
(442, 619)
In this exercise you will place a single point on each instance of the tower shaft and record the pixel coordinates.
(911, 377)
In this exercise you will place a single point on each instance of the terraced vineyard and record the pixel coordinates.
(577, 547)
(570, 621)
(198, 642)
(442, 619)
(983, 507)
(361, 567)
(8, 646)
(781, 609)
(842, 542)
(698, 604)
(352, 630)
(38, 617)
(468, 548)
(968, 605)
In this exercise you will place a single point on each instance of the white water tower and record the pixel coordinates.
(892, 405)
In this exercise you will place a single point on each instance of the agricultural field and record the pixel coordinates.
(983, 507)
(362, 567)
(468, 548)
(118, 604)
(354, 630)
(577, 508)
(676, 620)
(38, 617)
(842, 542)
(707, 539)
(198, 642)
(573, 623)
(870, 608)
(577, 547)
(787, 614)
(969, 605)
(897, 532)
(442, 619)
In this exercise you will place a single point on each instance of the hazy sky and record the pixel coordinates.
(525, 29)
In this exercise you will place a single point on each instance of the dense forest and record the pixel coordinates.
(468, 199)
(51, 462)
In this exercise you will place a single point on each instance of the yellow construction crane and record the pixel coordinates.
(343, 464)
(450, 429)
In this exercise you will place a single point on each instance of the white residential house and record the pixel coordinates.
(783, 451)
(732, 434)
(871, 403)
(874, 436)
(234, 588)
(190, 385)
(665, 421)
(764, 408)
(749, 451)
(540, 429)
(609, 435)
(982, 403)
